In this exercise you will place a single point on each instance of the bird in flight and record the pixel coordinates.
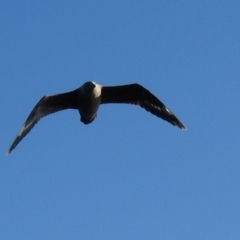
(87, 99)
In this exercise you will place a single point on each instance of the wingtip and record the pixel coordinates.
(8, 152)
(183, 128)
(179, 125)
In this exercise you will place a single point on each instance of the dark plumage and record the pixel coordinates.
(87, 99)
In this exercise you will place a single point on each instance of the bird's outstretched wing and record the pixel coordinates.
(138, 95)
(47, 105)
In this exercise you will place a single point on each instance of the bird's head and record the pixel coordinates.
(90, 89)
(88, 86)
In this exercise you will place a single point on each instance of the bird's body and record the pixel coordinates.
(87, 100)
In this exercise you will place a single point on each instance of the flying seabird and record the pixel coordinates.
(87, 99)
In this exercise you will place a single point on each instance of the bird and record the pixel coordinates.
(87, 99)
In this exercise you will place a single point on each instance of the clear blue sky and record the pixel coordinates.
(128, 175)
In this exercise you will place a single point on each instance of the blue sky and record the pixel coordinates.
(128, 175)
